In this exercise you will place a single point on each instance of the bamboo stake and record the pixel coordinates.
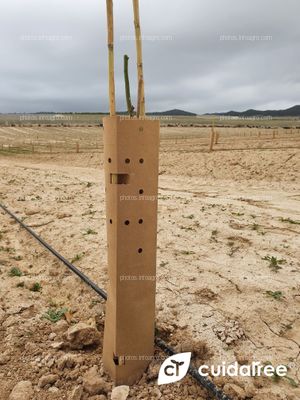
(130, 107)
(138, 38)
(111, 62)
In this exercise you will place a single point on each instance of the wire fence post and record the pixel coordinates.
(212, 139)
(217, 137)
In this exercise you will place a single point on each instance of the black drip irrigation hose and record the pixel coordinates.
(203, 381)
(72, 267)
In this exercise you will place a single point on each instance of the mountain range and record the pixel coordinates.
(289, 112)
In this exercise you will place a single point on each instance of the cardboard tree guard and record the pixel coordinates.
(131, 151)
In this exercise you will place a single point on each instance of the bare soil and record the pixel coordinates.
(222, 217)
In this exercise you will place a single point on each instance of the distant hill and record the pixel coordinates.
(174, 112)
(289, 112)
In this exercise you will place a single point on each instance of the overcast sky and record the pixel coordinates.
(198, 55)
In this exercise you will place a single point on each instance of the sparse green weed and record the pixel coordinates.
(77, 257)
(36, 287)
(55, 315)
(163, 263)
(277, 295)
(15, 272)
(90, 231)
(274, 263)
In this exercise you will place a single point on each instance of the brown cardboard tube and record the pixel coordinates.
(131, 150)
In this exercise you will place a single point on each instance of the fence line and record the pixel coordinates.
(202, 139)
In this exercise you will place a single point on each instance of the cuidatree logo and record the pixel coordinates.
(174, 368)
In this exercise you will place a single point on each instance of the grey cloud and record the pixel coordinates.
(193, 69)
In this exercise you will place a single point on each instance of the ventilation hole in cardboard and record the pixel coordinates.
(127, 222)
(141, 221)
(127, 160)
(109, 160)
(140, 250)
(141, 191)
(119, 179)
(141, 129)
(116, 359)
(110, 221)
(141, 161)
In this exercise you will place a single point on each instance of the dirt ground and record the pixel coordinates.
(228, 275)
